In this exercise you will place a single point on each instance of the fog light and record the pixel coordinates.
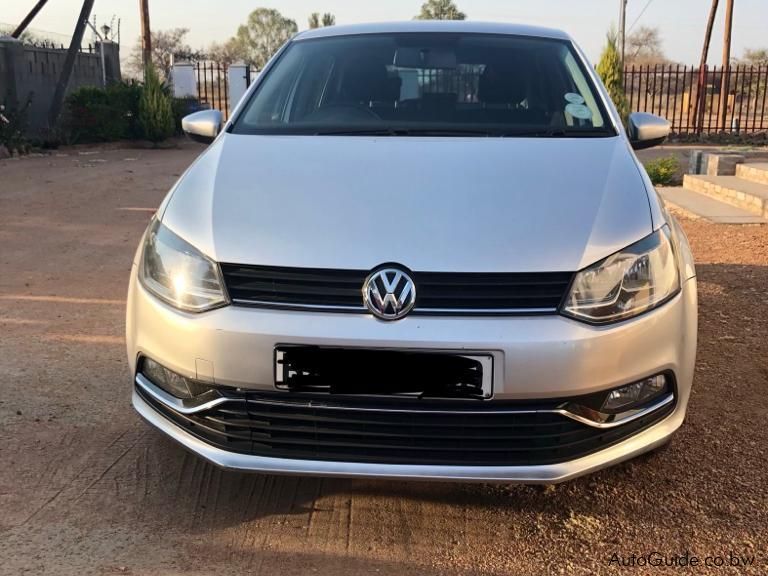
(175, 384)
(635, 394)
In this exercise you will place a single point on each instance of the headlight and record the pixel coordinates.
(626, 284)
(176, 272)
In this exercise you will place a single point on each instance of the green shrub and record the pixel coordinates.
(102, 115)
(663, 171)
(155, 109)
(124, 97)
(610, 71)
(13, 126)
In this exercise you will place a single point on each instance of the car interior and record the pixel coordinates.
(523, 85)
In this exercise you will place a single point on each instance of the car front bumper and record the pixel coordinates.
(535, 358)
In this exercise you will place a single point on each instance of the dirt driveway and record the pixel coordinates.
(87, 488)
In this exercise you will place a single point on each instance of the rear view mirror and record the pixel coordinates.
(647, 130)
(424, 58)
(202, 126)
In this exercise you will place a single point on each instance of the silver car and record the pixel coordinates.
(418, 250)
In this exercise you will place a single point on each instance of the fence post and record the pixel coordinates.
(238, 82)
(184, 81)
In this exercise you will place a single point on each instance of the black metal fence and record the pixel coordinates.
(673, 91)
(213, 86)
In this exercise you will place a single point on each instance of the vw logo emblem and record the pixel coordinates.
(389, 293)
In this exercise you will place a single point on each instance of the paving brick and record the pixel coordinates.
(754, 172)
(745, 194)
(723, 164)
(697, 205)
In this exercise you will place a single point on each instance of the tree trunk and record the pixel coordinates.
(725, 83)
(69, 63)
(701, 101)
(146, 35)
(31, 16)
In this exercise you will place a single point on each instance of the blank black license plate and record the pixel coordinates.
(383, 372)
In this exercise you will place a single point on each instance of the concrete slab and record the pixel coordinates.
(700, 206)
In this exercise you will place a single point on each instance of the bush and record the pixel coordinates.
(155, 109)
(610, 71)
(124, 97)
(102, 115)
(663, 171)
(13, 125)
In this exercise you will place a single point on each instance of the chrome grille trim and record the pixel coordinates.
(438, 293)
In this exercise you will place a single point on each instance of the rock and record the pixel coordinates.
(4, 152)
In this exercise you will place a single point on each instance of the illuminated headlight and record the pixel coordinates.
(635, 394)
(177, 273)
(628, 283)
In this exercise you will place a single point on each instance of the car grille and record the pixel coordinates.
(437, 292)
(457, 433)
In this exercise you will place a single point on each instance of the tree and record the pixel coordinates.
(263, 34)
(166, 44)
(227, 53)
(644, 46)
(610, 70)
(316, 21)
(440, 10)
(155, 109)
(755, 57)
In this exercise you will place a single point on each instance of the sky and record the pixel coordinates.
(681, 22)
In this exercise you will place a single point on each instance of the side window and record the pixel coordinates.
(274, 95)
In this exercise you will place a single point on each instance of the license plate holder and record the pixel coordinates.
(432, 374)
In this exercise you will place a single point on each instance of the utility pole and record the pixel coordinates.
(31, 16)
(69, 63)
(622, 30)
(701, 92)
(146, 35)
(724, 84)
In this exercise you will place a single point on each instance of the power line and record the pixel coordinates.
(647, 5)
(36, 31)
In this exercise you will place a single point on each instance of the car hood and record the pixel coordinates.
(429, 204)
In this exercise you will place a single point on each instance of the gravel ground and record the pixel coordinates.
(87, 488)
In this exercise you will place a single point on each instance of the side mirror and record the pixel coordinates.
(647, 130)
(202, 126)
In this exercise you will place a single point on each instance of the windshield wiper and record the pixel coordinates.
(448, 132)
(357, 132)
(556, 133)
(466, 132)
(404, 132)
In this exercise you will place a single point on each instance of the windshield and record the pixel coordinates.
(426, 84)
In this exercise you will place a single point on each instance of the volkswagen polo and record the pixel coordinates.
(418, 250)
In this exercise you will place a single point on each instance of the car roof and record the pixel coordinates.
(454, 26)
